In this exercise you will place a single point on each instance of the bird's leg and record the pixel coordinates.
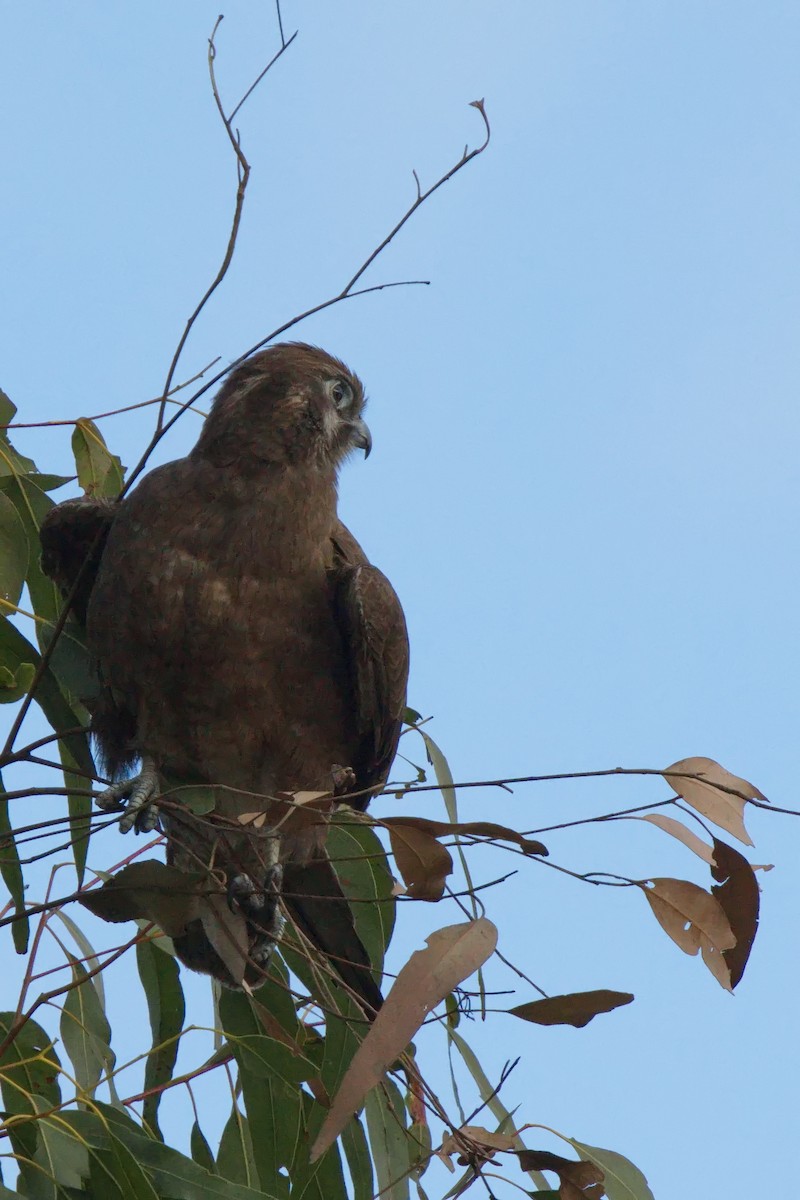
(140, 791)
(261, 904)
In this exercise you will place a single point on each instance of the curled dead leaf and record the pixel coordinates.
(482, 829)
(473, 1143)
(715, 793)
(678, 830)
(290, 812)
(150, 891)
(693, 918)
(737, 891)
(579, 1180)
(452, 954)
(576, 1008)
(423, 863)
(227, 932)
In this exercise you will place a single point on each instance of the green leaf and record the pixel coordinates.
(11, 462)
(100, 473)
(623, 1181)
(72, 664)
(444, 776)
(32, 505)
(201, 1151)
(386, 1124)
(359, 1163)
(62, 1159)
(20, 660)
(15, 650)
(16, 684)
(235, 1159)
(362, 868)
(29, 1070)
(172, 1174)
(115, 1174)
(274, 1107)
(50, 483)
(80, 810)
(11, 871)
(267, 1058)
(324, 1180)
(86, 1032)
(160, 978)
(13, 551)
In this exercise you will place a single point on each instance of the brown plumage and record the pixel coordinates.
(244, 640)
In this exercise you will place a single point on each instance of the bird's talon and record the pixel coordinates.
(344, 779)
(244, 895)
(141, 791)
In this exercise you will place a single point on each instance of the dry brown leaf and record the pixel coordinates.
(579, 1180)
(715, 961)
(149, 891)
(421, 860)
(576, 1008)
(452, 955)
(690, 916)
(678, 830)
(227, 932)
(708, 795)
(484, 829)
(290, 812)
(472, 1142)
(736, 890)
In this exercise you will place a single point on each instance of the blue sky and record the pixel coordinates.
(584, 477)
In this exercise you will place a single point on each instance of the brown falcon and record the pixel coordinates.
(245, 644)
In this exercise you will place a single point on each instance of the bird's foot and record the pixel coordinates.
(259, 904)
(344, 780)
(140, 792)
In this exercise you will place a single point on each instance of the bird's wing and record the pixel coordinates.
(73, 536)
(373, 629)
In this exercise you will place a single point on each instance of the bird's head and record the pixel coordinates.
(290, 404)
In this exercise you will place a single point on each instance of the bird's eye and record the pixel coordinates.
(341, 393)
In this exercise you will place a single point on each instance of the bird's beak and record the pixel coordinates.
(361, 436)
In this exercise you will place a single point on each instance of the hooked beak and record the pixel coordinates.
(361, 436)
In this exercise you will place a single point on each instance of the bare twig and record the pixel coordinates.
(346, 293)
(116, 412)
(243, 170)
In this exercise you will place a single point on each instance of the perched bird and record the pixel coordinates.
(244, 643)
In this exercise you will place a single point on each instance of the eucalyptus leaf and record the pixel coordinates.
(85, 1031)
(14, 551)
(160, 978)
(100, 473)
(11, 871)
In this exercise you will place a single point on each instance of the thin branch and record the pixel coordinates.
(116, 412)
(284, 47)
(421, 197)
(346, 293)
(243, 169)
(309, 312)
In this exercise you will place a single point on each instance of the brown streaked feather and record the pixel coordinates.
(244, 641)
